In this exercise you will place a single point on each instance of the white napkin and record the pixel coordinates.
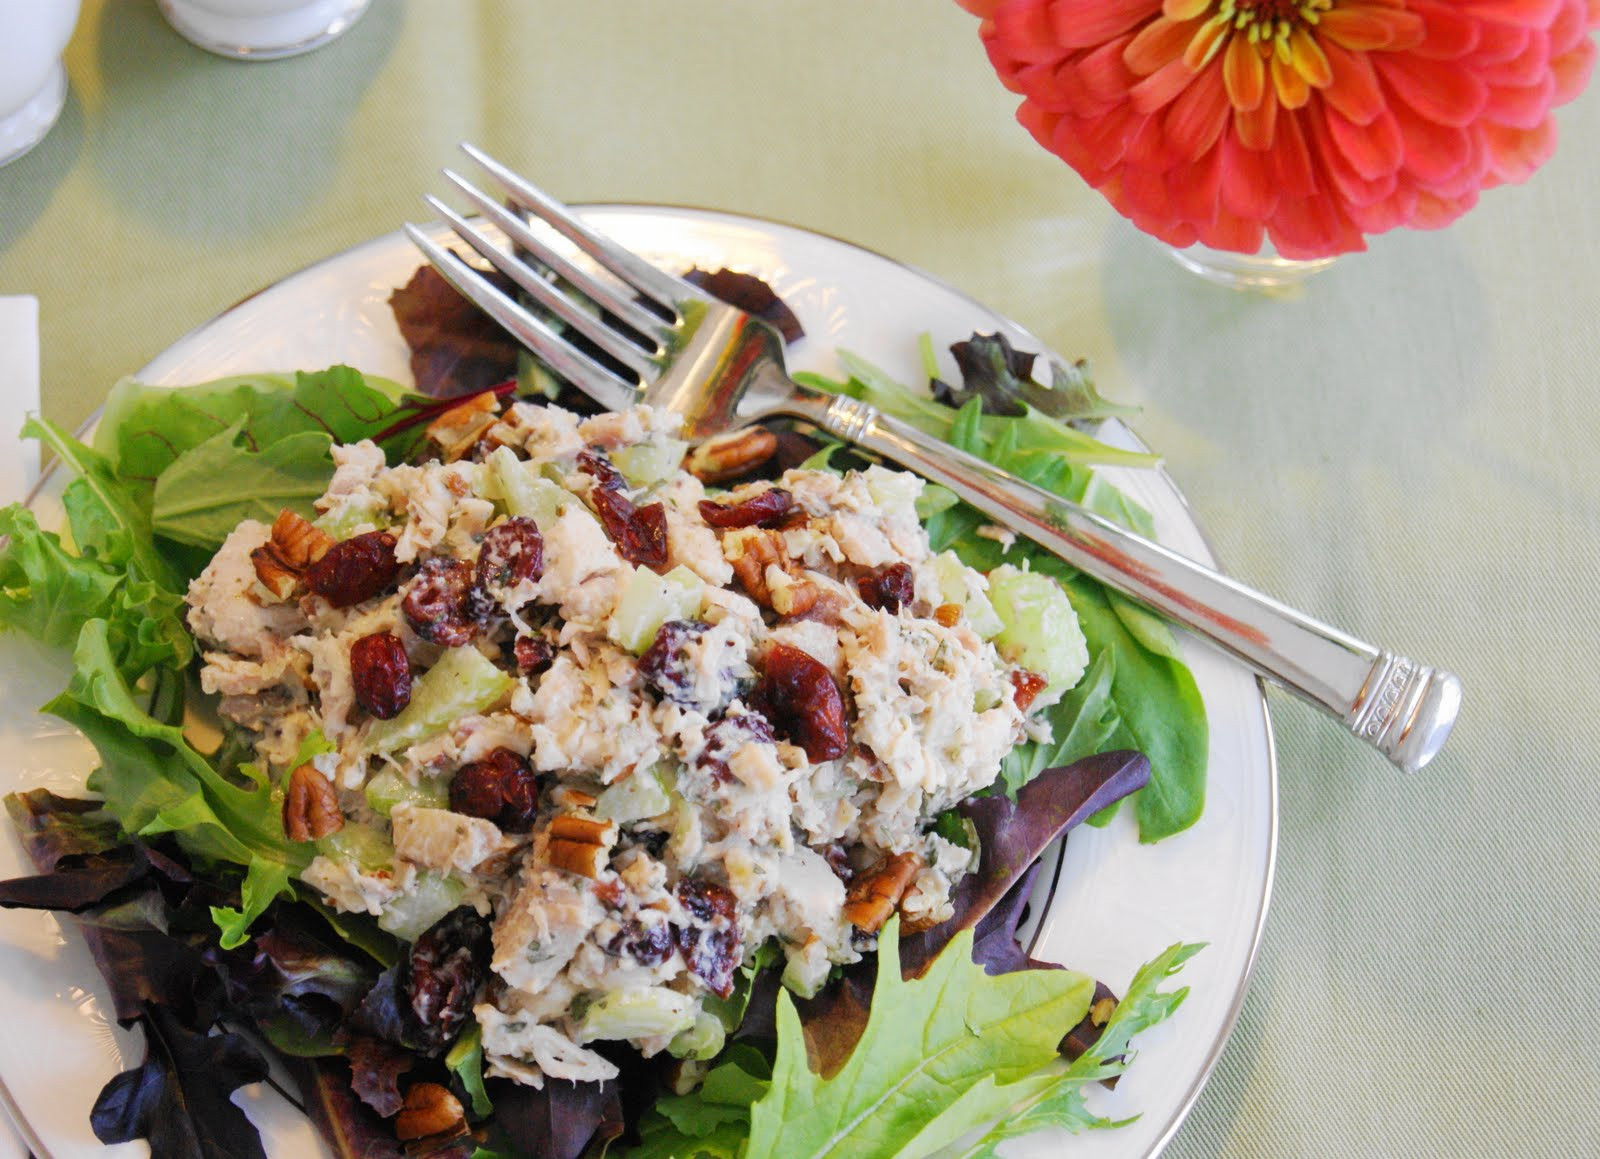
(19, 393)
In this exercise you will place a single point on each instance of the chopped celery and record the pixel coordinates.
(650, 600)
(646, 464)
(463, 682)
(523, 490)
(959, 584)
(1041, 630)
(364, 845)
(894, 489)
(352, 517)
(389, 788)
(634, 799)
(639, 1012)
(410, 915)
(701, 1041)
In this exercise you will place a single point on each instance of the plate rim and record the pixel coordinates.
(1260, 705)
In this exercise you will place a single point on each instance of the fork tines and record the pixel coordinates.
(643, 298)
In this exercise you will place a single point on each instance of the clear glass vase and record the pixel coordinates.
(1263, 272)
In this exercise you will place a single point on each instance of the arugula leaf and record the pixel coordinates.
(1061, 1105)
(980, 1040)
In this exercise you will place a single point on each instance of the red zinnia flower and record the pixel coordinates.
(1311, 122)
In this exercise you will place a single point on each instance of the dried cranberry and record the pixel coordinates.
(381, 674)
(441, 604)
(444, 972)
(512, 552)
(712, 948)
(1025, 686)
(889, 588)
(727, 736)
(595, 463)
(839, 861)
(499, 788)
(764, 510)
(712, 955)
(664, 667)
(531, 654)
(706, 900)
(798, 695)
(640, 533)
(649, 943)
(355, 569)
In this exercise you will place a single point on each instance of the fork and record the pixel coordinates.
(719, 368)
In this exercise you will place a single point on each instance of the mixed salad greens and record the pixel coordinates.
(187, 884)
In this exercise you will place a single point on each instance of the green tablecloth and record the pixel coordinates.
(1403, 450)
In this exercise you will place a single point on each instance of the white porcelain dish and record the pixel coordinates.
(1105, 903)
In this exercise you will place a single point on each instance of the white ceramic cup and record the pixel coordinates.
(33, 85)
(261, 29)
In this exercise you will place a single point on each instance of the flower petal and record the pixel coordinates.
(1450, 32)
(1022, 30)
(1159, 88)
(1197, 117)
(1293, 91)
(1080, 25)
(1524, 107)
(1354, 89)
(1373, 150)
(1307, 58)
(1158, 43)
(1248, 190)
(1437, 91)
(1245, 73)
(1357, 28)
(1257, 127)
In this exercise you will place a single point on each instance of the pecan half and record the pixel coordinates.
(728, 456)
(429, 1110)
(948, 615)
(752, 553)
(580, 845)
(310, 806)
(294, 546)
(874, 893)
(458, 429)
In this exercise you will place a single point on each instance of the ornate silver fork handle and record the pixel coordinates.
(1402, 708)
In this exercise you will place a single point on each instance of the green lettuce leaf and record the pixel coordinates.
(210, 489)
(980, 1041)
(145, 429)
(116, 575)
(156, 782)
(1062, 1105)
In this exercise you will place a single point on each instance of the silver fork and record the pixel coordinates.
(720, 368)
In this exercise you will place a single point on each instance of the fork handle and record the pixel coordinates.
(1402, 708)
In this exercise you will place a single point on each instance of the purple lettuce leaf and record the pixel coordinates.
(560, 1121)
(180, 1099)
(456, 349)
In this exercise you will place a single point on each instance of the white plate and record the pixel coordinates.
(1114, 903)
